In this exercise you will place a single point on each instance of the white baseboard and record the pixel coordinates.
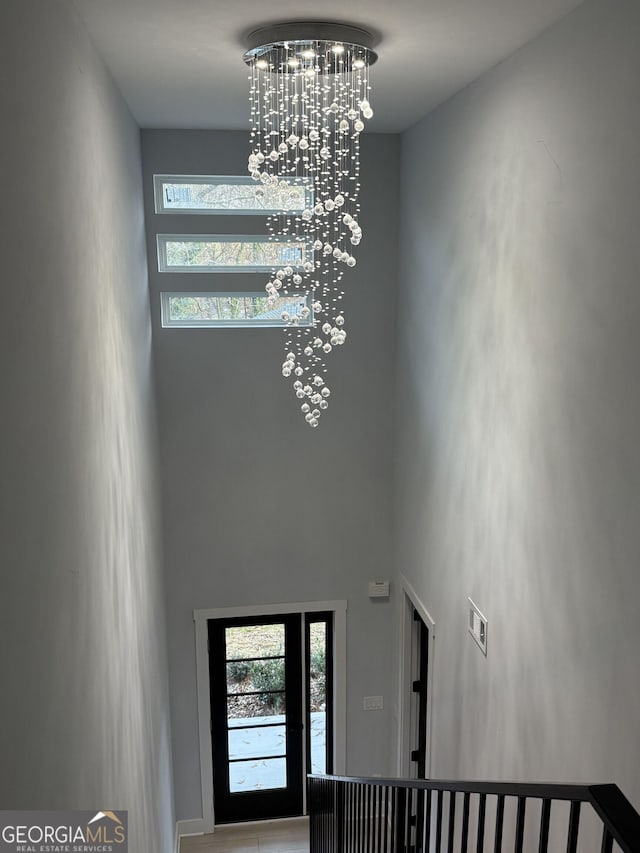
(197, 826)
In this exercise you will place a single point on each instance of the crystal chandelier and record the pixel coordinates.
(309, 99)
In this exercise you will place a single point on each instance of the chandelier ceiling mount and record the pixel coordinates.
(293, 38)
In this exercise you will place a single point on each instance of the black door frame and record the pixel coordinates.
(327, 618)
(284, 802)
(418, 754)
(420, 686)
(407, 699)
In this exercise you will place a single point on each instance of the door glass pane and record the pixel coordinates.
(257, 775)
(255, 676)
(318, 695)
(254, 641)
(255, 710)
(257, 743)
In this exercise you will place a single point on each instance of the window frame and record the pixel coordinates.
(272, 323)
(163, 239)
(160, 209)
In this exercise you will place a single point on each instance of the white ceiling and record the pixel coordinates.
(179, 63)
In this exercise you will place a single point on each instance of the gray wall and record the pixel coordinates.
(518, 469)
(82, 645)
(258, 507)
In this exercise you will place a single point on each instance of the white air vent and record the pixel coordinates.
(478, 626)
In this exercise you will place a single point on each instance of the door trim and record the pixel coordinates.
(201, 618)
(409, 601)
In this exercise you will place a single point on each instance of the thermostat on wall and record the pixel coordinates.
(378, 589)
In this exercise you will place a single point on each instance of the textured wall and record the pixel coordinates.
(518, 475)
(258, 507)
(85, 719)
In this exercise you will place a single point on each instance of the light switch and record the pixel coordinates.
(373, 703)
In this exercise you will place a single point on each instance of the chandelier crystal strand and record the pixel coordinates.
(309, 101)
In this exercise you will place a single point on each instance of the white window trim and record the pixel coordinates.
(165, 296)
(160, 209)
(163, 239)
(201, 618)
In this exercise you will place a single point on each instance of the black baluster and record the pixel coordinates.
(386, 814)
(312, 816)
(607, 841)
(545, 818)
(320, 803)
(574, 827)
(340, 817)
(411, 817)
(522, 807)
(400, 819)
(354, 824)
(439, 797)
(363, 816)
(394, 819)
(427, 820)
(324, 815)
(452, 820)
(464, 840)
(359, 844)
(420, 820)
(482, 813)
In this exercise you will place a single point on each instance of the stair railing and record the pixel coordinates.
(359, 815)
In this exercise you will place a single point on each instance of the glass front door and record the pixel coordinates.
(256, 704)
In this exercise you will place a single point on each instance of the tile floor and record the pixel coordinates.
(281, 836)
